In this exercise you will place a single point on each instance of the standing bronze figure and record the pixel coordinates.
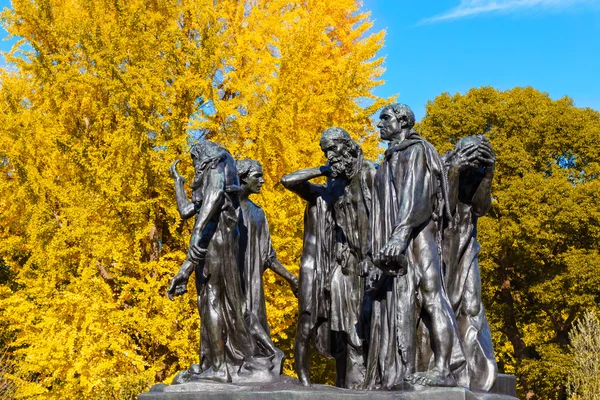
(470, 172)
(405, 276)
(389, 281)
(255, 255)
(228, 351)
(335, 240)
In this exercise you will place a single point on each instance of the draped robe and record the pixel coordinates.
(352, 209)
(315, 268)
(218, 281)
(332, 298)
(255, 255)
(407, 203)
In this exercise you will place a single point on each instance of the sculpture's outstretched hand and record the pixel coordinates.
(178, 286)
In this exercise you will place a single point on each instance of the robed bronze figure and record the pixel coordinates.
(404, 264)
(470, 172)
(228, 349)
(335, 240)
(255, 255)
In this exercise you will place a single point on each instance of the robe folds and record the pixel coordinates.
(336, 218)
(352, 209)
(408, 204)
(217, 278)
(315, 269)
(219, 283)
(255, 254)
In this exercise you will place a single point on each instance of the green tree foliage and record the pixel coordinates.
(539, 258)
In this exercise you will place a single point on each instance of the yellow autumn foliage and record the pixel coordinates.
(99, 98)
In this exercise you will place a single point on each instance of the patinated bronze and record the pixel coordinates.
(389, 278)
(335, 240)
(255, 255)
(470, 172)
(404, 267)
(228, 349)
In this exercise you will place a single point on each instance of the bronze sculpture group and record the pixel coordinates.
(389, 281)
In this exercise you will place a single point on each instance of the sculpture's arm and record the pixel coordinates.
(416, 207)
(213, 200)
(453, 182)
(415, 203)
(184, 206)
(282, 271)
(214, 193)
(482, 199)
(366, 264)
(298, 182)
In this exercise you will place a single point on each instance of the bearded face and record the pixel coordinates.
(340, 159)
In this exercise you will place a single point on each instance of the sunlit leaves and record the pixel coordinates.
(99, 98)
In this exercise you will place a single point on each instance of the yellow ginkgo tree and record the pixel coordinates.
(98, 99)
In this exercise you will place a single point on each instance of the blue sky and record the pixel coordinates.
(453, 45)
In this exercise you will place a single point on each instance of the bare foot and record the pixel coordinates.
(187, 375)
(431, 378)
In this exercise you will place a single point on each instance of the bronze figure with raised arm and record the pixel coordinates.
(228, 350)
(470, 172)
(335, 238)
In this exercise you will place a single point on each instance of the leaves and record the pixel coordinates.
(584, 375)
(539, 243)
(99, 99)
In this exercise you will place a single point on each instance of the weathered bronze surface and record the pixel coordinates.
(389, 280)
(470, 169)
(234, 346)
(336, 225)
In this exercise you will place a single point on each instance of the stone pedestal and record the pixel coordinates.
(505, 384)
(291, 389)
